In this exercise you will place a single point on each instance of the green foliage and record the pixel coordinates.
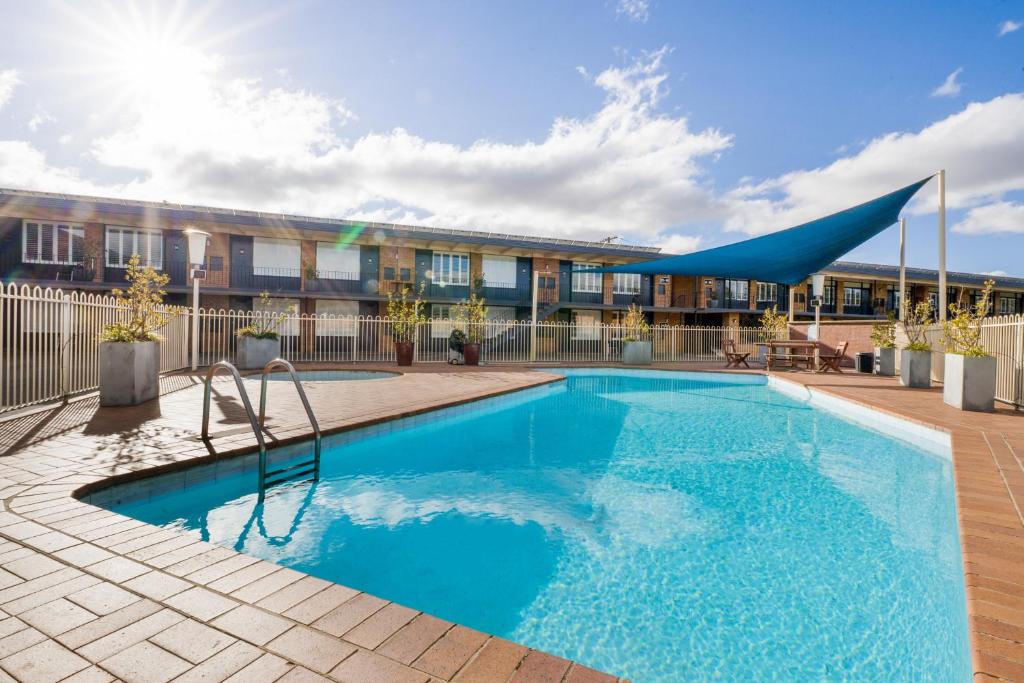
(635, 327)
(883, 334)
(916, 319)
(961, 332)
(144, 303)
(264, 325)
(472, 313)
(773, 324)
(405, 315)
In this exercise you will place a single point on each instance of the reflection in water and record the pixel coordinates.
(664, 529)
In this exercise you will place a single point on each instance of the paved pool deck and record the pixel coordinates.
(89, 595)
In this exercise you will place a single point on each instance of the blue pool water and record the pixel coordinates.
(660, 526)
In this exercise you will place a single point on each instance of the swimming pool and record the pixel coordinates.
(659, 526)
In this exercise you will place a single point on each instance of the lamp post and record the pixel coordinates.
(817, 290)
(197, 258)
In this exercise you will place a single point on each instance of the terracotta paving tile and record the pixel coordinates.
(218, 569)
(302, 675)
(451, 652)
(293, 594)
(496, 661)
(192, 641)
(156, 585)
(145, 663)
(252, 624)
(311, 648)
(57, 617)
(349, 614)
(93, 674)
(123, 638)
(380, 626)
(581, 674)
(266, 669)
(311, 609)
(240, 578)
(223, 664)
(413, 639)
(268, 585)
(201, 603)
(367, 667)
(539, 667)
(20, 640)
(44, 662)
(93, 630)
(197, 562)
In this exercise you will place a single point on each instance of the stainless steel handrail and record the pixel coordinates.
(317, 438)
(256, 428)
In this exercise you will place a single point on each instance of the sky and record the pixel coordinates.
(675, 124)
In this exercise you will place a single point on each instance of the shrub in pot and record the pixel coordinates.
(259, 342)
(472, 314)
(130, 348)
(636, 338)
(916, 356)
(969, 382)
(405, 317)
(773, 327)
(883, 336)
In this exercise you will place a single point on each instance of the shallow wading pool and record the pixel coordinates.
(660, 526)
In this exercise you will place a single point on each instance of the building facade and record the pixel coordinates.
(345, 267)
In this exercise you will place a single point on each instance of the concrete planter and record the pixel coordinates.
(885, 361)
(916, 368)
(129, 373)
(636, 353)
(255, 353)
(970, 382)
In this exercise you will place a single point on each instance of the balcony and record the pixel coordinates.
(176, 270)
(11, 265)
(506, 292)
(266, 279)
(333, 282)
(642, 298)
(567, 294)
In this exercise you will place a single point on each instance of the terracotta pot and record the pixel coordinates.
(403, 351)
(471, 353)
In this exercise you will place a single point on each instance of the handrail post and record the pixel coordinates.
(214, 369)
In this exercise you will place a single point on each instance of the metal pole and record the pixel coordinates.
(942, 244)
(792, 302)
(903, 268)
(533, 326)
(195, 322)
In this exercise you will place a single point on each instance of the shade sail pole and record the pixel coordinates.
(942, 244)
(903, 269)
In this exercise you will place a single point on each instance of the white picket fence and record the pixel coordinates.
(50, 343)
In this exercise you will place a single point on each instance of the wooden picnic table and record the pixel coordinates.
(792, 352)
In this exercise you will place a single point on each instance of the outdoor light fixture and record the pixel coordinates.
(197, 259)
(817, 285)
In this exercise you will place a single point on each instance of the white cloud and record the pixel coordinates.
(950, 87)
(625, 169)
(1009, 27)
(980, 146)
(39, 118)
(679, 244)
(635, 10)
(8, 81)
(996, 273)
(997, 217)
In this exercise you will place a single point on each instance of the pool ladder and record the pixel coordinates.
(267, 478)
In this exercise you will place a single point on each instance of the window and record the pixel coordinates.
(500, 271)
(586, 325)
(441, 324)
(276, 257)
(450, 268)
(337, 318)
(1007, 305)
(767, 291)
(275, 307)
(337, 261)
(586, 282)
(52, 243)
(828, 294)
(123, 243)
(626, 283)
(737, 290)
(852, 296)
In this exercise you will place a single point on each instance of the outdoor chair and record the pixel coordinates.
(831, 361)
(733, 357)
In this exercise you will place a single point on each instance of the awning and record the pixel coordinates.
(789, 256)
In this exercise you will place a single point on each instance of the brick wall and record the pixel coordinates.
(397, 258)
(662, 300)
(307, 260)
(858, 334)
(218, 246)
(95, 247)
(683, 288)
(476, 267)
(547, 267)
(607, 289)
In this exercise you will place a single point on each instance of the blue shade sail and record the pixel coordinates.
(788, 256)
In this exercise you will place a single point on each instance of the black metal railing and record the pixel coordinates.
(642, 298)
(266, 279)
(567, 294)
(335, 282)
(506, 292)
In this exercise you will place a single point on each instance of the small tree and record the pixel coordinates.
(883, 334)
(405, 315)
(635, 327)
(773, 324)
(915, 323)
(961, 333)
(265, 325)
(472, 313)
(144, 302)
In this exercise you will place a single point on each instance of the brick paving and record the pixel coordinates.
(89, 595)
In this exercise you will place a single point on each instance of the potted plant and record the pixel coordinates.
(916, 356)
(636, 338)
(130, 347)
(773, 326)
(259, 342)
(405, 318)
(969, 382)
(472, 313)
(883, 336)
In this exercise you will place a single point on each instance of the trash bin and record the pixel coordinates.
(866, 362)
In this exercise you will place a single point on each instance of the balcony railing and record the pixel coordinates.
(567, 294)
(334, 282)
(506, 292)
(642, 298)
(266, 279)
(177, 271)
